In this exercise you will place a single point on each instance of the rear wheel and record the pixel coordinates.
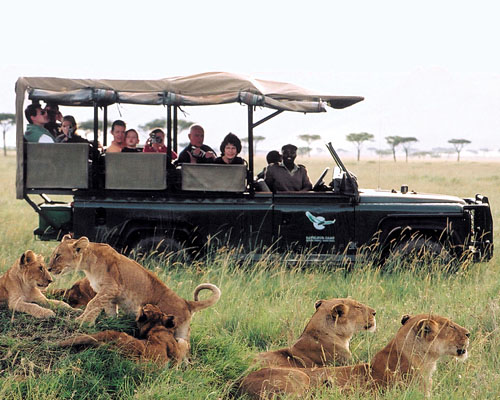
(160, 248)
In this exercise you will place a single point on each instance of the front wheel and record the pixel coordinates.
(418, 251)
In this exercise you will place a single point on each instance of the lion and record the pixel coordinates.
(410, 357)
(21, 286)
(120, 281)
(326, 337)
(77, 295)
(157, 342)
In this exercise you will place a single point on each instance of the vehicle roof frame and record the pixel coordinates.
(209, 88)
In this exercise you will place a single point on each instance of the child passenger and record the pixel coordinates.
(131, 141)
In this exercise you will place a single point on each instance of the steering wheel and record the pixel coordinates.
(320, 182)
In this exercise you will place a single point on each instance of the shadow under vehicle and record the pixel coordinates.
(172, 208)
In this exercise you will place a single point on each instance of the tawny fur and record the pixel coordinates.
(21, 286)
(410, 357)
(325, 339)
(157, 341)
(120, 281)
(77, 295)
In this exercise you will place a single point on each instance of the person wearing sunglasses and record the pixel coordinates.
(37, 118)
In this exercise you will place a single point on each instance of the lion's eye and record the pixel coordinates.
(56, 257)
(40, 268)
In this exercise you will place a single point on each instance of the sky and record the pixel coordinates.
(427, 69)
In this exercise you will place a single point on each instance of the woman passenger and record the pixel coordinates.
(156, 143)
(230, 148)
(68, 129)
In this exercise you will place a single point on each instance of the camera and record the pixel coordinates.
(201, 154)
(154, 138)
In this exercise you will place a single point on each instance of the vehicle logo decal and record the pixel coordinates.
(318, 222)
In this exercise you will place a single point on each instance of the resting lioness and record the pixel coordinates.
(20, 286)
(156, 343)
(326, 337)
(120, 281)
(411, 356)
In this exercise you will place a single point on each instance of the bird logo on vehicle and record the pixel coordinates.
(318, 222)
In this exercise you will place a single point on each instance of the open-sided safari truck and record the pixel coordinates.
(159, 206)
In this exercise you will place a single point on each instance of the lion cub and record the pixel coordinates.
(120, 281)
(20, 286)
(326, 337)
(157, 342)
(410, 357)
(77, 295)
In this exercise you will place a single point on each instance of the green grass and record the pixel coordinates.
(264, 305)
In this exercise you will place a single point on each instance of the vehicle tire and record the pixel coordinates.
(422, 250)
(160, 248)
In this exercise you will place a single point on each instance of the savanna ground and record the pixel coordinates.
(264, 305)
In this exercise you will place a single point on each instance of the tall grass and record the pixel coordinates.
(265, 305)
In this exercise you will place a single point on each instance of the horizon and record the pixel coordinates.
(426, 70)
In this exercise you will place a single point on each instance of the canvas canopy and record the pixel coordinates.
(202, 89)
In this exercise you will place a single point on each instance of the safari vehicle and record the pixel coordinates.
(168, 208)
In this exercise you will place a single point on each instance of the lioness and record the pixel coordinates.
(411, 356)
(20, 286)
(120, 281)
(77, 295)
(326, 336)
(157, 342)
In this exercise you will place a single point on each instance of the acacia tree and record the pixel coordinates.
(256, 140)
(309, 139)
(393, 141)
(406, 143)
(182, 124)
(359, 138)
(459, 144)
(6, 121)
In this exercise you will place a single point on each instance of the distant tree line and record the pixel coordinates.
(404, 141)
(7, 121)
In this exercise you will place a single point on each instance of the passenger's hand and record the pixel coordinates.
(210, 154)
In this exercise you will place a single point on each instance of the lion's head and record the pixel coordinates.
(343, 316)
(434, 335)
(34, 271)
(150, 316)
(68, 254)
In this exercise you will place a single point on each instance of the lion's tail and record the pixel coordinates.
(197, 305)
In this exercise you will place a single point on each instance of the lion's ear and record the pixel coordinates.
(405, 318)
(425, 327)
(169, 321)
(339, 311)
(317, 304)
(81, 244)
(142, 317)
(66, 237)
(27, 258)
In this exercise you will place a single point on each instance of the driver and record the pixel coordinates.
(288, 176)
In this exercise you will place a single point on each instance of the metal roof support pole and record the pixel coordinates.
(169, 135)
(175, 129)
(274, 114)
(104, 127)
(96, 123)
(250, 148)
